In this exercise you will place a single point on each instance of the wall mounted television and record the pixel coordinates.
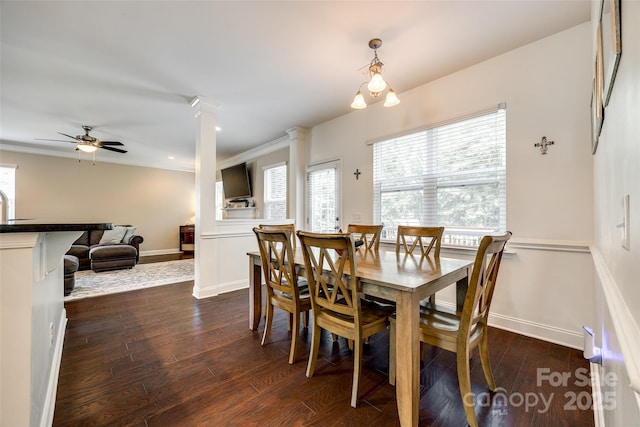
(236, 182)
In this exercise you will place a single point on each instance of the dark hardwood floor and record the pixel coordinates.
(159, 357)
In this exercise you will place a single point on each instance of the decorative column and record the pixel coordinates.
(298, 151)
(205, 195)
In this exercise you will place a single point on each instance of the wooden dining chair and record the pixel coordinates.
(368, 234)
(284, 290)
(289, 227)
(408, 238)
(301, 281)
(464, 331)
(335, 300)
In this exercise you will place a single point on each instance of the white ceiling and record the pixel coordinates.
(130, 68)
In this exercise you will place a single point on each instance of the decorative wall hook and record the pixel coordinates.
(544, 145)
(357, 174)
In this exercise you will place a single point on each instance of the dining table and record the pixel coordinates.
(405, 279)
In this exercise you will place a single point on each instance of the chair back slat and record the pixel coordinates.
(409, 238)
(482, 282)
(289, 227)
(332, 277)
(278, 266)
(369, 234)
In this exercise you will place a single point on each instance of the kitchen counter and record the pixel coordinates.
(33, 225)
(32, 316)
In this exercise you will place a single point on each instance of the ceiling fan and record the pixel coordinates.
(88, 143)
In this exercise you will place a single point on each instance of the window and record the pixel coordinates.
(8, 189)
(323, 197)
(452, 175)
(275, 191)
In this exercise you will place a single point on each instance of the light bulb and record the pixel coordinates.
(391, 99)
(377, 83)
(358, 102)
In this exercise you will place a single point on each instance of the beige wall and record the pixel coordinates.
(156, 201)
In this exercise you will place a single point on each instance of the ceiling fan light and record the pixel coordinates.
(391, 99)
(377, 83)
(87, 148)
(358, 102)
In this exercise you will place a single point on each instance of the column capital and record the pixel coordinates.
(296, 133)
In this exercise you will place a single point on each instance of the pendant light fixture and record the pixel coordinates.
(376, 84)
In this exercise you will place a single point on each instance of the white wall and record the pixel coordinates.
(617, 173)
(546, 287)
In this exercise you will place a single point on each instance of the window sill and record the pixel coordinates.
(448, 248)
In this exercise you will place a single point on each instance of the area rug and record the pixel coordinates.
(90, 284)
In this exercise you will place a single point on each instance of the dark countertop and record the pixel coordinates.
(35, 226)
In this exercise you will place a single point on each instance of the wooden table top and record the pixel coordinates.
(399, 271)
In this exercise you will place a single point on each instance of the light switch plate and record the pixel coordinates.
(626, 232)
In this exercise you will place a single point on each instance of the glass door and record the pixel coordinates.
(323, 197)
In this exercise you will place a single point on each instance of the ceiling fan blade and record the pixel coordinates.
(57, 140)
(68, 136)
(117, 150)
(110, 143)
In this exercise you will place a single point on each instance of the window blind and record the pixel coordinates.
(275, 192)
(453, 175)
(323, 198)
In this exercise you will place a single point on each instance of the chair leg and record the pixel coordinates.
(484, 359)
(334, 337)
(357, 369)
(267, 323)
(289, 322)
(313, 354)
(350, 344)
(464, 381)
(294, 338)
(305, 318)
(392, 351)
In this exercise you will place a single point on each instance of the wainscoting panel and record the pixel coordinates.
(620, 341)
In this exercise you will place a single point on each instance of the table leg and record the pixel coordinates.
(461, 290)
(407, 358)
(255, 292)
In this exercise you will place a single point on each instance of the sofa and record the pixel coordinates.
(70, 267)
(103, 250)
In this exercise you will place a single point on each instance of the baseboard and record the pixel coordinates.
(160, 252)
(221, 288)
(46, 418)
(535, 330)
(539, 331)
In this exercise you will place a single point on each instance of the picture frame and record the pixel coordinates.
(597, 108)
(611, 45)
(595, 122)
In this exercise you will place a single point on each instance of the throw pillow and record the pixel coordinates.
(113, 236)
(127, 236)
